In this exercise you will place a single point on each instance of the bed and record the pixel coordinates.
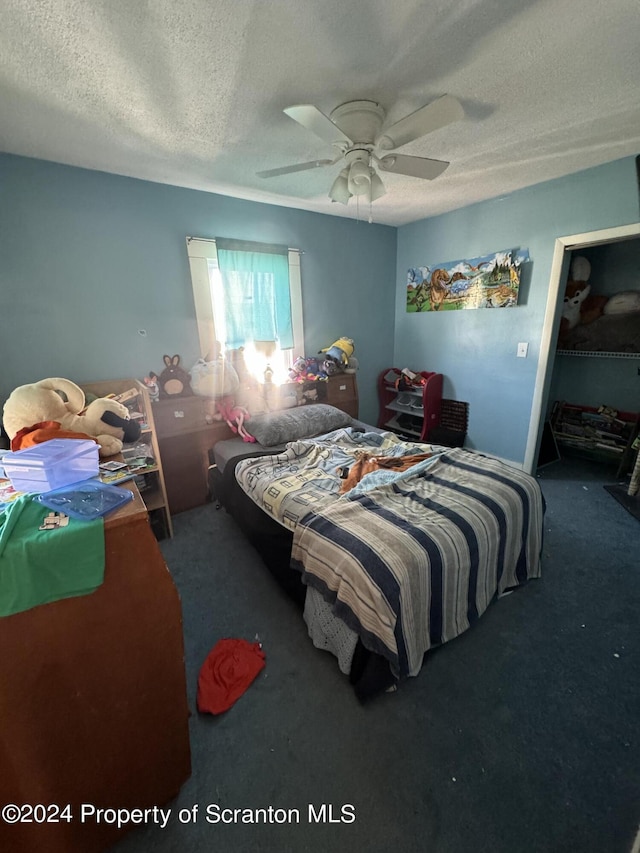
(391, 548)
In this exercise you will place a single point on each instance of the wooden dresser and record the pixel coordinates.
(186, 431)
(342, 392)
(93, 706)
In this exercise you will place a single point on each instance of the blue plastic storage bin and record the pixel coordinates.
(52, 464)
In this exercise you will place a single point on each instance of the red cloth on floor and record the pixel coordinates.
(229, 669)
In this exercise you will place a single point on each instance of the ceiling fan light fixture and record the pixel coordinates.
(357, 132)
(340, 188)
(359, 181)
(377, 187)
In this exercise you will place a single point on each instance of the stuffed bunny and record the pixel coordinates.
(174, 381)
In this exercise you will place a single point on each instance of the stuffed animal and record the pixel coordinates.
(583, 307)
(151, 381)
(298, 370)
(575, 297)
(51, 402)
(340, 352)
(174, 381)
(235, 416)
(579, 305)
(308, 370)
(216, 378)
(625, 302)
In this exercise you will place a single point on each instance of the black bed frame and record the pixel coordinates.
(370, 673)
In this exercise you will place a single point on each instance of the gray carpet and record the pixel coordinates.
(630, 502)
(521, 736)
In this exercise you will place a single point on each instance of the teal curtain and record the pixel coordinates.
(257, 299)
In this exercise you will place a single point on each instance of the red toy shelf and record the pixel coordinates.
(409, 409)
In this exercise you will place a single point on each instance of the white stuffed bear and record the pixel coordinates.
(62, 401)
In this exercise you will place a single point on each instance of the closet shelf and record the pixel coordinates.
(597, 354)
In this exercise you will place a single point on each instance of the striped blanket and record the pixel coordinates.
(412, 561)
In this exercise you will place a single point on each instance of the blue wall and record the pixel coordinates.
(476, 349)
(87, 259)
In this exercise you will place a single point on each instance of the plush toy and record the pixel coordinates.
(297, 371)
(153, 389)
(575, 297)
(174, 381)
(308, 370)
(235, 416)
(216, 378)
(56, 406)
(340, 352)
(582, 307)
(579, 305)
(625, 302)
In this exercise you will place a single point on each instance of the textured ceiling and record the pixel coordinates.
(192, 94)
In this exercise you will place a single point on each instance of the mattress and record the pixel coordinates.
(236, 448)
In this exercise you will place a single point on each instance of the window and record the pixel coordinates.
(249, 295)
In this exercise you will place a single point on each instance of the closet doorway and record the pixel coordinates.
(565, 248)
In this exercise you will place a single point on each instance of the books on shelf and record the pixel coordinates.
(131, 400)
(600, 429)
(137, 460)
(128, 472)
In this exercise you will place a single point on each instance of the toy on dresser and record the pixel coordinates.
(174, 381)
(55, 408)
(339, 357)
(153, 389)
(235, 416)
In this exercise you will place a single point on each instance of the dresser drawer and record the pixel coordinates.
(341, 389)
(179, 415)
(342, 392)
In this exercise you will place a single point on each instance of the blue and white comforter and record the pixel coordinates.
(409, 560)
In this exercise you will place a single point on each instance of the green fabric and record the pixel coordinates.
(39, 566)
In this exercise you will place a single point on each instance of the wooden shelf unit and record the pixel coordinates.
(155, 495)
(422, 413)
(584, 431)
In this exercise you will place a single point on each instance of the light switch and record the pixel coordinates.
(523, 349)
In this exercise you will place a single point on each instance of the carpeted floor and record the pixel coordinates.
(630, 502)
(521, 736)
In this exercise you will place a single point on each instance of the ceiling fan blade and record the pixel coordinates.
(439, 113)
(299, 167)
(310, 117)
(415, 167)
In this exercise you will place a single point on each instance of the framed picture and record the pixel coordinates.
(490, 281)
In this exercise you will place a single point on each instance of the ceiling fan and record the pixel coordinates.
(356, 131)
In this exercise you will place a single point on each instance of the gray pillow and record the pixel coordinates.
(302, 422)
